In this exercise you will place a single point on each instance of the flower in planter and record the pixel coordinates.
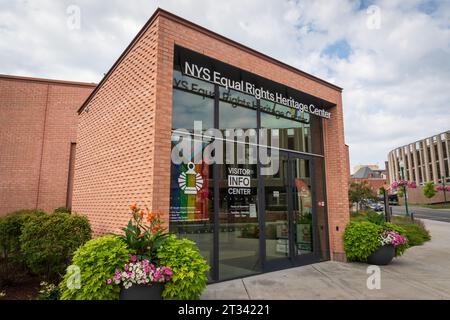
(403, 184)
(144, 233)
(140, 272)
(442, 188)
(391, 237)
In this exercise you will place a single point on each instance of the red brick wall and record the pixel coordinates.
(415, 196)
(114, 160)
(38, 122)
(116, 164)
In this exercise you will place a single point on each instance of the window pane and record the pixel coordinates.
(237, 98)
(235, 117)
(188, 107)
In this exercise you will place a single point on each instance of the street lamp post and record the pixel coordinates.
(405, 192)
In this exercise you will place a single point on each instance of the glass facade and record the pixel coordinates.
(244, 220)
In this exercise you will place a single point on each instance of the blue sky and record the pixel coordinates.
(392, 57)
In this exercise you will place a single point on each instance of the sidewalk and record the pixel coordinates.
(423, 272)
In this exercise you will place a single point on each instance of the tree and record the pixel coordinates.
(428, 190)
(360, 192)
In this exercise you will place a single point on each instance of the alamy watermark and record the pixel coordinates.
(374, 280)
(373, 21)
(73, 17)
(229, 146)
(74, 279)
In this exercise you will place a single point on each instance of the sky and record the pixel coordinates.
(391, 57)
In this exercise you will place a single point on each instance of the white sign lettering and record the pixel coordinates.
(215, 77)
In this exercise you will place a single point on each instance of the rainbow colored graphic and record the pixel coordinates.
(186, 204)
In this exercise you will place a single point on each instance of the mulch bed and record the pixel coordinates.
(28, 289)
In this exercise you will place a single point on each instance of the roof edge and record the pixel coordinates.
(240, 46)
(121, 57)
(161, 12)
(44, 80)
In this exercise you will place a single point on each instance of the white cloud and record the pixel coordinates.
(396, 79)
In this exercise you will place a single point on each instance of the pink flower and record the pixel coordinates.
(403, 183)
(167, 271)
(125, 267)
(133, 258)
(412, 184)
(109, 281)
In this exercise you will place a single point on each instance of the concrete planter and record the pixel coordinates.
(382, 256)
(142, 292)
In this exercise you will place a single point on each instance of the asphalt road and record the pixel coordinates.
(424, 213)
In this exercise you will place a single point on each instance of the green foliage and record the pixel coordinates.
(374, 217)
(429, 190)
(250, 231)
(12, 265)
(48, 241)
(399, 250)
(359, 192)
(48, 291)
(382, 191)
(416, 234)
(142, 239)
(360, 215)
(361, 240)
(97, 260)
(189, 269)
(305, 218)
(62, 210)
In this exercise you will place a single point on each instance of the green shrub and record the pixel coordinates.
(250, 231)
(188, 266)
(361, 240)
(429, 190)
(399, 250)
(375, 217)
(62, 210)
(48, 241)
(12, 266)
(97, 260)
(416, 234)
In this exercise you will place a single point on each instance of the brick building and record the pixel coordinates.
(132, 126)
(38, 124)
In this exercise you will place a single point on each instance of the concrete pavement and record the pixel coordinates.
(423, 272)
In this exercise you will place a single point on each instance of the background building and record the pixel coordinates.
(371, 174)
(370, 166)
(38, 125)
(424, 160)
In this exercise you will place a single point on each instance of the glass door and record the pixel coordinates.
(289, 217)
(302, 208)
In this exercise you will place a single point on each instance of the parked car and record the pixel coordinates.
(376, 206)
